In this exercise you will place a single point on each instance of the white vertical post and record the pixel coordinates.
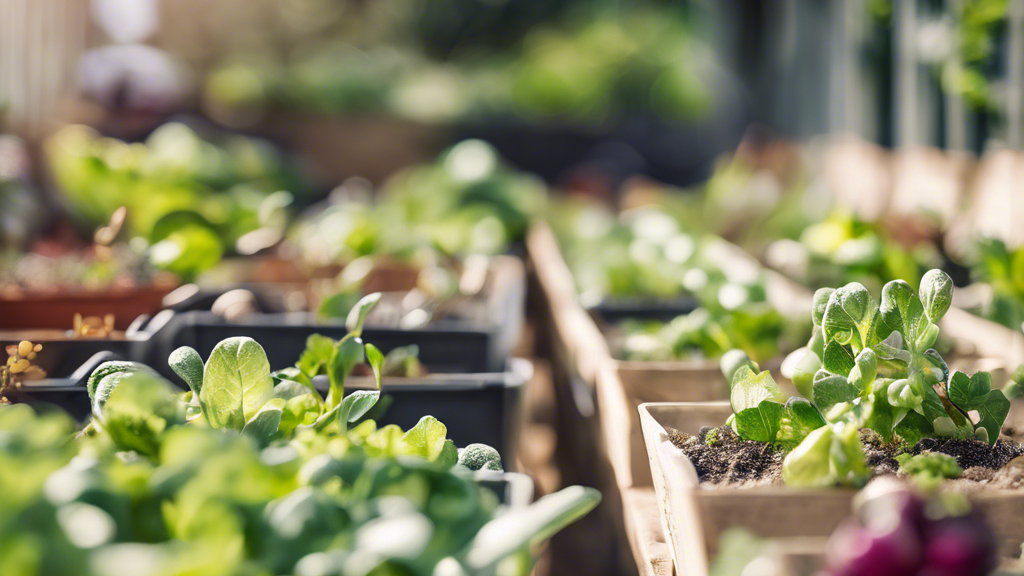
(956, 111)
(1015, 75)
(40, 43)
(906, 99)
(839, 86)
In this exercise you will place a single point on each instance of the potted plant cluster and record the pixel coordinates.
(876, 399)
(253, 471)
(664, 305)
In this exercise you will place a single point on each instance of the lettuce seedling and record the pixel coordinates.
(873, 367)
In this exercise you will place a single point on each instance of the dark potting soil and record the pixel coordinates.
(730, 461)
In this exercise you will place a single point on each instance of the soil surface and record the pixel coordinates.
(729, 461)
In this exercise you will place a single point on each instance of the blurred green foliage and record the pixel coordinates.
(249, 473)
(467, 202)
(190, 199)
(644, 254)
(587, 70)
(1002, 269)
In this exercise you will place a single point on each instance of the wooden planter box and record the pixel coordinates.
(623, 385)
(56, 310)
(694, 517)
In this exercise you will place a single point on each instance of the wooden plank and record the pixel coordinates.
(646, 537)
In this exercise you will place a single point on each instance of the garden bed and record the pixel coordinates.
(694, 515)
(472, 335)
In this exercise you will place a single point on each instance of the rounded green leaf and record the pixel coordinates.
(236, 382)
(426, 438)
(807, 465)
(107, 368)
(188, 364)
(357, 316)
(732, 361)
(821, 298)
(936, 294)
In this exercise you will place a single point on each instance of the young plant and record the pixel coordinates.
(236, 391)
(209, 501)
(876, 369)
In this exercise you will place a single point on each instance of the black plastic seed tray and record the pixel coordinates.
(484, 408)
(444, 347)
(476, 408)
(614, 310)
(63, 353)
(68, 392)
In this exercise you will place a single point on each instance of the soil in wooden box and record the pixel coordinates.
(722, 459)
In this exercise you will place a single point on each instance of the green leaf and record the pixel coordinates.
(862, 376)
(339, 305)
(850, 316)
(876, 412)
(936, 294)
(837, 358)
(358, 403)
(931, 404)
(318, 352)
(188, 364)
(357, 316)
(107, 368)
(929, 469)
(105, 388)
(426, 439)
(907, 393)
(760, 424)
(449, 455)
(831, 389)
(299, 411)
(807, 465)
(288, 389)
(903, 312)
(749, 389)
(263, 427)
(187, 251)
(732, 361)
(347, 354)
(821, 298)
(847, 461)
(912, 427)
(802, 364)
(376, 360)
(526, 528)
(139, 410)
(801, 418)
(236, 383)
(975, 393)
(388, 441)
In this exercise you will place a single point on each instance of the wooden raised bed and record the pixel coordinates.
(694, 517)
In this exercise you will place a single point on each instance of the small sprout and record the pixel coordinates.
(711, 438)
(929, 469)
